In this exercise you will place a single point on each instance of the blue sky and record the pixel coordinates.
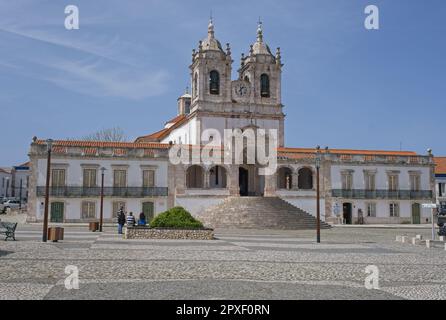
(343, 86)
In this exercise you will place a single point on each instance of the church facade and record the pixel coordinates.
(370, 186)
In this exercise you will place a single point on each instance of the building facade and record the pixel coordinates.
(357, 186)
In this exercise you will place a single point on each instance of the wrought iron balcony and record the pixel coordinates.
(125, 192)
(381, 194)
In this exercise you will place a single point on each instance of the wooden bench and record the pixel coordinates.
(8, 229)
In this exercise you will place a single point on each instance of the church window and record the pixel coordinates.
(195, 86)
(214, 82)
(264, 86)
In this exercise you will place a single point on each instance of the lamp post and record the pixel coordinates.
(101, 216)
(49, 145)
(318, 208)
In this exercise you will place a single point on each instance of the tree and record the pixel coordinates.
(115, 134)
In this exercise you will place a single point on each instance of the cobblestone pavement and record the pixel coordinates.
(240, 264)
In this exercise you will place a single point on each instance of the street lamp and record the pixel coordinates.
(101, 216)
(318, 208)
(49, 146)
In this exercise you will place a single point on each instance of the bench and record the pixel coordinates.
(8, 229)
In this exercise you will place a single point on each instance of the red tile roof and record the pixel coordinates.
(159, 135)
(348, 151)
(440, 165)
(104, 144)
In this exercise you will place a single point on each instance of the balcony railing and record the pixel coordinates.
(381, 194)
(125, 192)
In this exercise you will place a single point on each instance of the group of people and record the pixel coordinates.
(129, 219)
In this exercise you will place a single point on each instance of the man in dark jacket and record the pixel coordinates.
(121, 220)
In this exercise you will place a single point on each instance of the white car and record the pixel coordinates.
(10, 204)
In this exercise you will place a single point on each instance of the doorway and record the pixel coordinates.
(243, 179)
(416, 217)
(57, 209)
(147, 208)
(347, 212)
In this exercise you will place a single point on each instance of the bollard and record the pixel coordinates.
(415, 241)
(419, 237)
(403, 239)
(428, 243)
(445, 246)
(442, 238)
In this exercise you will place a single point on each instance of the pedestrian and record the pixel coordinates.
(121, 220)
(142, 219)
(130, 220)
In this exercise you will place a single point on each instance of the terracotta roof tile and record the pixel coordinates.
(103, 144)
(159, 135)
(352, 152)
(440, 165)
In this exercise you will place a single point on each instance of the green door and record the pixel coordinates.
(416, 213)
(57, 211)
(147, 208)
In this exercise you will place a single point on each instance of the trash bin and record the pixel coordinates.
(94, 226)
(55, 233)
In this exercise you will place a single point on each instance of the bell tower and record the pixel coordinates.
(263, 71)
(211, 73)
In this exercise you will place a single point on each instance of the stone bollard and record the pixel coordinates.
(415, 241)
(403, 239)
(442, 238)
(428, 243)
(419, 237)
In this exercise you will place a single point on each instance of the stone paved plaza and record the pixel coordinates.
(240, 264)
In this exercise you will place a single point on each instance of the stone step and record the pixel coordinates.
(258, 212)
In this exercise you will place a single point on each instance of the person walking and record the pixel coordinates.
(142, 219)
(130, 220)
(121, 220)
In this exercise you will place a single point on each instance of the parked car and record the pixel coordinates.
(10, 204)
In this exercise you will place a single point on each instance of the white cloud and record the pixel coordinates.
(98, 80)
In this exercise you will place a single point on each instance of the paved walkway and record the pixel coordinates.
(240, 264)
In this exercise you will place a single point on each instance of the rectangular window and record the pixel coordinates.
(369, 178)
(415, 182)
(117, 205)
(148, 178)
(89, 176)
(393, 182)
(347, 180)
(58, 177)
(371, 209)
(119, 178)
(88, 210)
(441, 189)
(394, 210)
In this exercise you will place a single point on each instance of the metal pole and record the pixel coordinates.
(47, 196)
(318, 209)
(102, 202)
(433, 224)
(20, 194)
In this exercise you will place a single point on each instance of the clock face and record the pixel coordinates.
(241, 89)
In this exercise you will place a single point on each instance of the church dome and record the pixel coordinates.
(211, 43)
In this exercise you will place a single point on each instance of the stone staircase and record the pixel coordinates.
(258, 213)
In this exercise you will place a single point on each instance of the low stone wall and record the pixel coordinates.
(155, 233)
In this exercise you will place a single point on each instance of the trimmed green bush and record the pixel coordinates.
(176, 218)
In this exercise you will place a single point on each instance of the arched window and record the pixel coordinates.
(195, 86)
(214, 82)
(217, 177)
(284, 178)
(264, 86)
(194, 177)
(305, 179)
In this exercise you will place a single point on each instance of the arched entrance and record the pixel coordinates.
(416, 216)
(347, 212)
(243, 181)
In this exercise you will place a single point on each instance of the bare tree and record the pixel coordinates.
(115, 134)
